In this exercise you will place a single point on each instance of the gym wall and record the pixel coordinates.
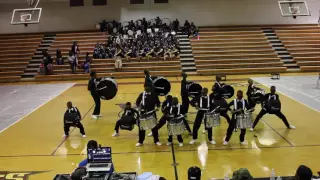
(58, 16)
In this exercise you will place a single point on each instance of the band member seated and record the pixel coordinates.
(147, 102)
(251, 89)
(239, 107)
(129, 118)
(272, 105)
(72, 117)
(175, 112)
(217, 100)
(202, 104)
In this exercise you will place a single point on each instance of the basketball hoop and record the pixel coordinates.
(24, 17)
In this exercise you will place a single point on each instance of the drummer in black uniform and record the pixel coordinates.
(94, 94)
(175, 111)
(240, 105)
(129, 112)
(147, 79)
(218, 100)
(218, 87)
(271, 99)
(202, 104)
(148, 101)
(184, 93)
(251, 89)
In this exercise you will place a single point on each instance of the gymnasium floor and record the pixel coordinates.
(35, 144)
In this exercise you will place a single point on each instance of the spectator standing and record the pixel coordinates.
(75, 50)
(86, 64)
(47, 62)
(72, 61)
(59, 58)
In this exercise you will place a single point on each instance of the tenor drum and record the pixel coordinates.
(228, 91)
(244, 120)
(212, 120)
(107, 88)
(194, 89)
(161, 85)
(147, 121)
(258, 96)
(176, 126)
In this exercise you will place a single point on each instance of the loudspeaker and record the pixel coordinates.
(74, 3)
(136, 1)
(99, 2)
(161, 1)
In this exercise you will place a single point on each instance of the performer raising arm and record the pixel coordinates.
(251, 89)
(240, 105)
(148, 101)
(272, 105)
(202, 104)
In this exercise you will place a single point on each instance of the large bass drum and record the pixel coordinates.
(228, 91)
(161, 85)
(106, 88)
(194, 89)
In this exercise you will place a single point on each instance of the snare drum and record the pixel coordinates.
(244, 120)
(176, 126)
(147, 121)
(212, 120)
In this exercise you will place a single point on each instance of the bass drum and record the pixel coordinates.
(107, 88)
(161, 85)
(194, 89)
(228, 91)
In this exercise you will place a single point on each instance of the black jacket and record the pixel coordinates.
(239, 105)
(251, 89)
(203, 102)
(92, 85)
(149, 102)
(71, 116)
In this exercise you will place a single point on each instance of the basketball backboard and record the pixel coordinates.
(30, 15)
(26, 16)
(294, 8)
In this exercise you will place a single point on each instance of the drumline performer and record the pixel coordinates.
(128, 112)
(272, 101)
(202, 104)
(217, 100)
(184, 93)
(148, 101)
(147, 80)
(175, 112)
(72, 117)
(251, 89)
(218, 87)
(94, 94)
(165, 110)
(239, 106)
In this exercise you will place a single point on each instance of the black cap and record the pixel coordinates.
(304, 173)
(194, 173)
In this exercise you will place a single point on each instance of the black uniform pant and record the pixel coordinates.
(252, 104)
(179, 137)
(97, 102)
(78, 125)
(185, 103)
(142, 135)
(117, 127)
(225, 115)
(197, 124)
(279, 114)
(231, 127)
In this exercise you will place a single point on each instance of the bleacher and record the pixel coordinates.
(15, 53)
(105, 67)
(234, 50)
(303, 43)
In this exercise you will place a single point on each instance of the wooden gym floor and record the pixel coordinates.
(35, 143)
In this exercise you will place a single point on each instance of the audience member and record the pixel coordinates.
(75, 50)
(242, 174)
(47, 62)
(72, 61)
(303, 173)
(87, 62)
(59, 58)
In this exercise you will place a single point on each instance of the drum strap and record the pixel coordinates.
(208, 105)
(144, 96)
(272, 96)
(236, 105)
(178, 106)
(218, 84)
